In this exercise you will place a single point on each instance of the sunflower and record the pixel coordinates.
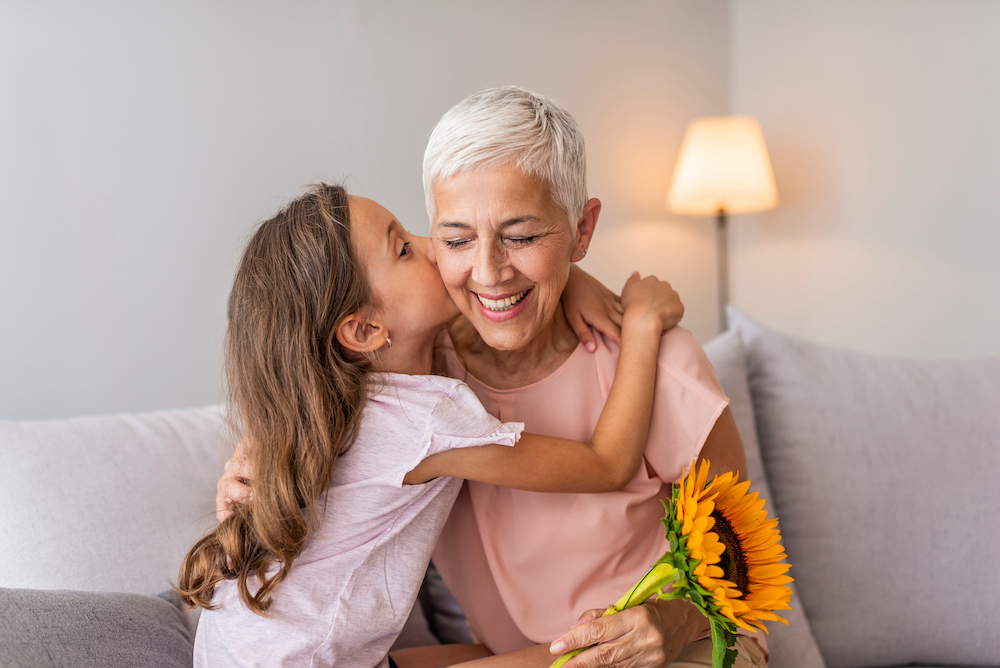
(723, 558)
(735, 549)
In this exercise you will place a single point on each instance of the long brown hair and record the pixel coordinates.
(296, 392)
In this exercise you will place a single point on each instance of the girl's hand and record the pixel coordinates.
(232, 486)
(651, 298)
(587, 302)
(648, 635)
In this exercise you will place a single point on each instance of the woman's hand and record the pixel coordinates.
(646, 636)
(586, 302)
(233, 486)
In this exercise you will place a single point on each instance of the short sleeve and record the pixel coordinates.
(460, 421)
(688, 402)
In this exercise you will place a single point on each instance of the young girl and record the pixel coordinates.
(357, 452)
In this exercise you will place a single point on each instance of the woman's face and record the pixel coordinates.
(401, 269)
(503, 248)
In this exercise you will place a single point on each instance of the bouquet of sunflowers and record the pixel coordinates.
(724, 558)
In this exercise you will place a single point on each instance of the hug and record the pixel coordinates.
(370, 371)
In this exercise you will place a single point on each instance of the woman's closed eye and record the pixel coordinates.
(518, 241)
(406, 249)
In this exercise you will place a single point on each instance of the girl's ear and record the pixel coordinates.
(359, 334)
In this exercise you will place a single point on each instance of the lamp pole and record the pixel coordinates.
(723, 262)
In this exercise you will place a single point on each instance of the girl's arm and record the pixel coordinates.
(587, 303)
(611, 459)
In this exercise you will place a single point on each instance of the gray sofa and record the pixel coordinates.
(884, 474)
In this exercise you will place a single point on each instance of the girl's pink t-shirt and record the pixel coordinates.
(524, 565)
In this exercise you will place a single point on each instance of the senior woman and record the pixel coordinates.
(505, 186)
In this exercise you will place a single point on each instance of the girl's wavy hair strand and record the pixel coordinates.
(297, 393)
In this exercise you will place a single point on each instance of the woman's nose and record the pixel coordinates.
(492, 267)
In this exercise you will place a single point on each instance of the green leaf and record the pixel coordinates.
(722, 640)
(701, 590)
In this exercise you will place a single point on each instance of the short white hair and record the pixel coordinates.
(511, 126)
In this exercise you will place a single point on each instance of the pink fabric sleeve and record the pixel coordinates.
(688, 402)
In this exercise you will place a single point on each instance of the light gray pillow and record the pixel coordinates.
(886, 476)
(791, 646)
(57, 629)
(111, 502)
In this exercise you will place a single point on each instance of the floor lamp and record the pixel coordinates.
(722, 169)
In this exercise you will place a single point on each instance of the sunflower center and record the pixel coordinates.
(733, 560)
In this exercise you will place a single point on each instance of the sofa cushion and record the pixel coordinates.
(49, 629)
(791, 646)
(885, 475)
(111, 502)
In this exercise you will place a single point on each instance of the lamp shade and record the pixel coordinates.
(723, 164)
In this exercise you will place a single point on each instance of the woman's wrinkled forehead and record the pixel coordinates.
(495, 198)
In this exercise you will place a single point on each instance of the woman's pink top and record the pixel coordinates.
(524, 565)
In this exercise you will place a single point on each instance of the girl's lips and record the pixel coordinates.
(500, 316)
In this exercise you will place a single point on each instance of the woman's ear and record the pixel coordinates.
(585, 228)
(359, 334)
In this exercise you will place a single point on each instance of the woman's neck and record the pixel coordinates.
(511, 369)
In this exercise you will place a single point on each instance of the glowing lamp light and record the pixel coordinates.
(722, 168)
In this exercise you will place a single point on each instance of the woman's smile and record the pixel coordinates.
(503, 303)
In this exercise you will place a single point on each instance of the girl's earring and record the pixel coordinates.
(582, 252)
(388, 341)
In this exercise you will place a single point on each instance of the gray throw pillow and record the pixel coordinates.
(60, 628)
(885, 475)
(791, 646)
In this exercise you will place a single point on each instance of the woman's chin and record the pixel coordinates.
(504, 335)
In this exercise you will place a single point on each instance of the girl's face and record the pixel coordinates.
(401, 268)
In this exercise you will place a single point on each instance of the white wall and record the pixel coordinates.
(883, 122)
(139, 143)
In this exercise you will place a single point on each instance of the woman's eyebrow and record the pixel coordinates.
(519, 219)
(455, 225)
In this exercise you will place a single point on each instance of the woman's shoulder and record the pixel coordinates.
(677, 347)
(680, 356)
